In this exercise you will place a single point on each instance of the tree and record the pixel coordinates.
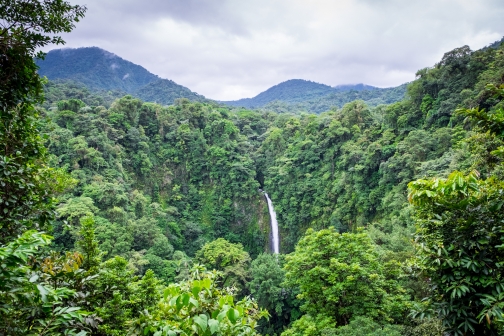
(230, 259)
(26, 183)
(88, 245)
(339, 277)
(459, 234)
(199, 307)
(116, 296)
(31, 302)
(266, 286)
(25, 27)
(459, 243)
(363, 326)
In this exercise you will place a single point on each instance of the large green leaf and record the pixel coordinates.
(202, 321)
(213, 325)
(233, 315)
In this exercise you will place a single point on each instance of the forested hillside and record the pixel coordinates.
(61, 89)
(337, 99)
(294, 90)
(163, 179)
(184, 172)
(94, 67)
(297, 95)
(108, 75)
(345, 168)
(101, 72)
(121, 217)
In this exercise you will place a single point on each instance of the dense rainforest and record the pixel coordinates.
(121, 217)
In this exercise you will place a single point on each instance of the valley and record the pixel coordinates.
(163, 182)
(131, 205)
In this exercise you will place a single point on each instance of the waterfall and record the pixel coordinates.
(274, 225)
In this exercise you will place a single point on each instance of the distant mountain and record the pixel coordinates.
(303, 95)
(372, 97)
(494, 45)
(108, 76)
(294, 90)
(354, 87)
(96, 68)
(99, 69)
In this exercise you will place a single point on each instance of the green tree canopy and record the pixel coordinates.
(459, 243)
(32, 301)
(230, 259)
(340, 277)
(199, 307)
(266, 286)
(27, 185)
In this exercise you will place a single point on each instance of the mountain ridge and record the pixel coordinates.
(84, 65)
(305, 95)
(99, 69)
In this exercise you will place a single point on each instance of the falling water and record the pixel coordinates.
(274, 225)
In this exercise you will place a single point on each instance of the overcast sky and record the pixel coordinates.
(231, 49)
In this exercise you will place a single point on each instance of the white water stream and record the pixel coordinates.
(274, 226)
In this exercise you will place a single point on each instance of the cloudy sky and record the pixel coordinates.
(231, 49)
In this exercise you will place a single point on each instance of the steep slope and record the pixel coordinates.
(183, 172)
(99, 69)
(96, 68)
(351, 167)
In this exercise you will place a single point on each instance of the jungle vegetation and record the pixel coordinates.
(121, 217)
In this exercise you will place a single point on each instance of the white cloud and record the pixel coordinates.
(233, 49)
